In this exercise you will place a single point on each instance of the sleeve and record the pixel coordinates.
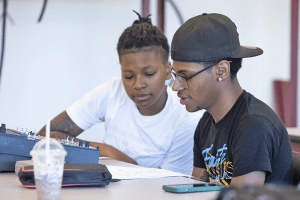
(179, 158)
(91, 108)
(198, 157)
(252, 146)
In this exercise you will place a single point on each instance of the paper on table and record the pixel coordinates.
(139, 172)
(104, 158)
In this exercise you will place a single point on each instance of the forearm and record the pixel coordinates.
(42, 132)
(62, 125)
(112, 152)
(105, 150)
(53, 134)
(256, 178)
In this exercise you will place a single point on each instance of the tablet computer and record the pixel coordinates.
(194, 187)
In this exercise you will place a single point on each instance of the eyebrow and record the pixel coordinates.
(183, 71)
(147, 67)
(144, 68)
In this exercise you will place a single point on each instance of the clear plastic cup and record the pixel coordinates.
(48, 168)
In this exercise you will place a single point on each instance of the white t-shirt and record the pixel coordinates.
(164, 140)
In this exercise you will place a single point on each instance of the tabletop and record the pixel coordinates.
(150, 188)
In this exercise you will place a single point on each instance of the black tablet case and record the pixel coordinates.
(74, 175)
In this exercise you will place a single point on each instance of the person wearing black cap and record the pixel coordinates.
(239, 140)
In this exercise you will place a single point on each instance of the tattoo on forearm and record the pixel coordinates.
(63, 123)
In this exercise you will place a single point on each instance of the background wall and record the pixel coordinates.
(49, 65)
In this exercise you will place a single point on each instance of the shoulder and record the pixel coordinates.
(260, 115)
(257, 107)
(111, 87)
(105, 94)
(113, 83)
(256, 130)
(256, 122)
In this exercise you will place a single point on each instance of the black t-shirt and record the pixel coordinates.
(251, 137)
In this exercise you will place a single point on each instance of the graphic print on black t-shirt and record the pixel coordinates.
(219, 169)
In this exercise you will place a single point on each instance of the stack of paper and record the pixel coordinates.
(140, 172)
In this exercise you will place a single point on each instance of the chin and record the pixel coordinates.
(193, 108)
(189, 109)
(143, 104)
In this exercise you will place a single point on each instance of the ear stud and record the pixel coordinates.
(220, 79)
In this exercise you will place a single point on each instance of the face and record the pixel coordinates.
(143, 77)
(201, 91)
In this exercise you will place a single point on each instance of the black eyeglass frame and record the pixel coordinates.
(187, 78)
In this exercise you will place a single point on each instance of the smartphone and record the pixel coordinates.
(194, 187)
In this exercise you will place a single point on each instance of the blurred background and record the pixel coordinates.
(50, 64)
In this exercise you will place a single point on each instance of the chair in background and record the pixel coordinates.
(294, 134)
(296, 165)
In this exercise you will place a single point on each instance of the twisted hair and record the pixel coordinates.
(142, 36)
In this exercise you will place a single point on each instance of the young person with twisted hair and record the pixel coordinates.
(138, 108)
(239, 140)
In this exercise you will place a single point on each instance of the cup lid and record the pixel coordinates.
(54, 146)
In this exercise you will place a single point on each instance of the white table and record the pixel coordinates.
(11, 188)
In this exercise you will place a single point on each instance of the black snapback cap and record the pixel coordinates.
(209, 37)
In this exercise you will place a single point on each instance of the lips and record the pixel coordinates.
(183, 99)
(141, 97)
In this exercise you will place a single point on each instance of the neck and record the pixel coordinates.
(229, 94)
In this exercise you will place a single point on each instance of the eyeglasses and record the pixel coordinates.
(183, 80)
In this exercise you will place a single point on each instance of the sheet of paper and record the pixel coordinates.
(104, 158)
(139, 172)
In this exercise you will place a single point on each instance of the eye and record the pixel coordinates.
(128, 77)
(182, 75)
(150, 74)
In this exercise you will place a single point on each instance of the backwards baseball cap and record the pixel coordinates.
(209, 37)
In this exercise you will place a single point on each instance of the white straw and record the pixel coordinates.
(47, 137)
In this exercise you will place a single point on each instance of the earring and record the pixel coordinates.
(220, 79)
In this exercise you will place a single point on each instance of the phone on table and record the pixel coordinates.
(194, 187)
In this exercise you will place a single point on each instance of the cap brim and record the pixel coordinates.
(246, 52)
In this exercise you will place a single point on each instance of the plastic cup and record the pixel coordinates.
(48, 167)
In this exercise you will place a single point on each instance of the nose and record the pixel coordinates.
(139, 83)
(176, 85)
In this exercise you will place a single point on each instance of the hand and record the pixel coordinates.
(62, 125)
(200, 173)
(113, 153)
